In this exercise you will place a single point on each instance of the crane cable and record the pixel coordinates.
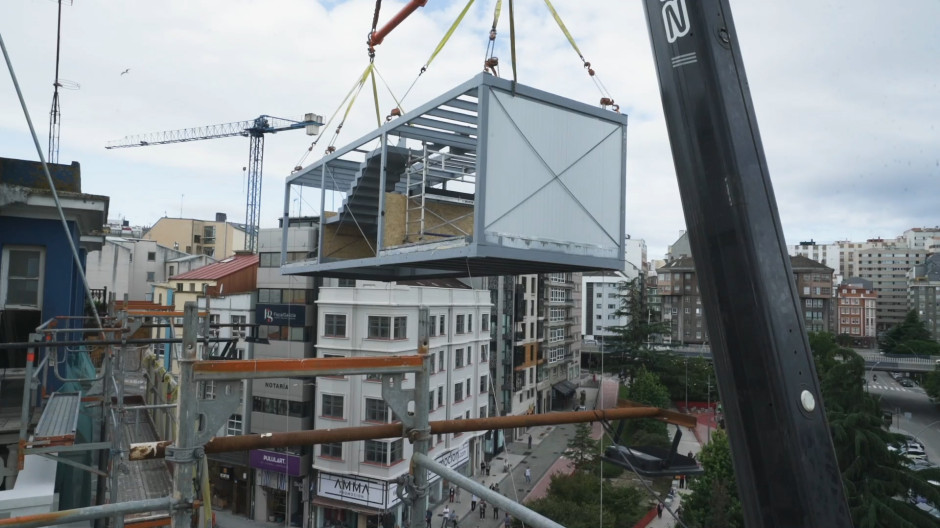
(375, 24)
(606, 99)
(512, 44)
(491, 63)
(440, 46)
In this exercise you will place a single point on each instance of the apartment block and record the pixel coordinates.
(887, 268)
(133, 266)
(856, 312)
(924, 293)
(814, 287)
(218, 238)
(378, 319)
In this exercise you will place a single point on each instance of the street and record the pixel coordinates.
(914, 414)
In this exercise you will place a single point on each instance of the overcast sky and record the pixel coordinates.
(847, 96)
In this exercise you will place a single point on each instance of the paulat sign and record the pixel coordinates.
(274, 461)
(281, 314)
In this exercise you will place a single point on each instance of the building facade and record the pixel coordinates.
(856, 309)
(355, 481)
(924, 293)
(814, 287)
(216, 238)
(887, 268)
(286, 314)
(133, 266)
(600, 305)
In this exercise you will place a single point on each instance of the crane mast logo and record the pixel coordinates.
(675, 19)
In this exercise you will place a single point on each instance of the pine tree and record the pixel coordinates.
(582, 447)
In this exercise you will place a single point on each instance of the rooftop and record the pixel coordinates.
(220, 269)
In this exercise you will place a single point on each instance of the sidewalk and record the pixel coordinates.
(544, 459)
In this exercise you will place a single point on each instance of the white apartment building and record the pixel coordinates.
(132, 266)
(927, 238)
(355, 481)
(600, 304)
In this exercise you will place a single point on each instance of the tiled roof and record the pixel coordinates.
(801, 262)
(220, 269)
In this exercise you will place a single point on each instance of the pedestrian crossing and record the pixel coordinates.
(898, 388)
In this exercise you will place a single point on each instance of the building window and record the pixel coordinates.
(172, 270)
(375, 451)
(460, 325)
(458, 358)
(238, 328)
(556, 334)
(151, 276)
(440, 396)
(483, 354)
(458, 392)
(21, 277)
(440, 360)
(333, 450)
(396, 451)
(151, 256)
(432, 323)
(234, 426)
(485, 322)
(334, 325)
(558, 295)
(376, 410)
(442, 328)
(483, 382)
(347, 283)
(384, 327)
(332, 406)
(470, 323)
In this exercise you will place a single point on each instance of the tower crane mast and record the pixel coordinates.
(254, 129)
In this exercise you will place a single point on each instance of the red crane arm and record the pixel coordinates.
(376, 37)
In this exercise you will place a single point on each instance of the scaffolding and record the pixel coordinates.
(198, 418)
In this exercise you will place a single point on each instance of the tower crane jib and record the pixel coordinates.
(255, 129)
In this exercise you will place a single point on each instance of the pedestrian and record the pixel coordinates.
(528, 476)
(530, 442)
(507, 522)
(659, 510)
(495, 511)
(450, 494)
(681, 481)
(483, 509)
(427, 518)
(482, 467)
(473, 502)
(487, 469)
(453, 517)
(458, 495)
(692, 455)
(446, 516)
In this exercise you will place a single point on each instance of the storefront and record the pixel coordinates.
(345, 501)
(457, 459)
(280, 484)
(230, 485)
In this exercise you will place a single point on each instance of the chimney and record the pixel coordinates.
(220, 217)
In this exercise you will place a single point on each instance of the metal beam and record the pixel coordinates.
(527, 516)
(87, 514)
(225, 444)
(73, 463)
(299, 368)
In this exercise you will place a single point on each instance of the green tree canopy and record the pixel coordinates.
(910, 337)
(574, 501)
(647, 389)
(714, 498)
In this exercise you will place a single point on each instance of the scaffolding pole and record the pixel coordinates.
(227, 444)
(527, 516)
(183, 453)
(87, 514)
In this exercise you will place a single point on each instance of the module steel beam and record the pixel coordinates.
(299, 368)
(784, 460)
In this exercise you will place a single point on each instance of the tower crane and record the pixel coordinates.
(255, 129)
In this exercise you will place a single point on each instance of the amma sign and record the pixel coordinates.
(373, 493)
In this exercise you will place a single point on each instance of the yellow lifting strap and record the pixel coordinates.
(563, 28)
(499, 7)
(375, 95)
(447, 35)
(357, 88)
(512, 43)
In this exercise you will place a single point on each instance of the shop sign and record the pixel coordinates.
(281, 314)
(376, 494)
(452, 459)
(273, 461)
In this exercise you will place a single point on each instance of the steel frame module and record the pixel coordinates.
(537, 183)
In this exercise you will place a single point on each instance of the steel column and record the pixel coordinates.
(783, 456)
(421, 433)
(527, 516)
(182, 454)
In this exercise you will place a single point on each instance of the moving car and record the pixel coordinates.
(906, 382)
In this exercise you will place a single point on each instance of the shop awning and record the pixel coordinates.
(564, 388)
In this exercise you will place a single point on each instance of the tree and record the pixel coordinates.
(574, 502)
(910, 337)
(647, 389)
(583, 448)
(642, 322)
(873, 476)
(714, 498)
